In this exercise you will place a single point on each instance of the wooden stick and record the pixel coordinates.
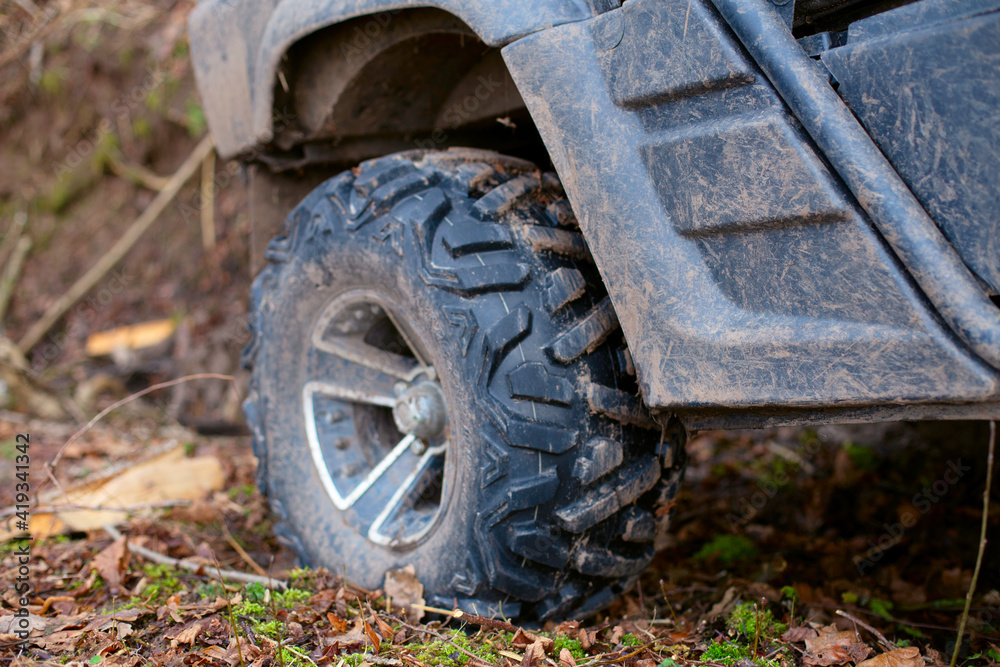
(878, 635)
(118, 250)
(982, 542)
(11, 273)
(20, 219)
(229, 575)
(238, 548)
(139, 175)
(208, 202)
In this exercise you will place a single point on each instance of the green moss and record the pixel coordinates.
(290, 597)
(161, 581)
(729, 549)
(628, 639)
(255, 592)
(302, 577)
(289, 659)
(572, 645)
(863, 458)
(729, 653)
(354, 659)
(247, 608)
(273, 628)
(752, 623)
(245, 490)
(447, 654)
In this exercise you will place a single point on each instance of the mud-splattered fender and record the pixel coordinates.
(237, 44)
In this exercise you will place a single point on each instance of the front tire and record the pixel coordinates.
(439, 380)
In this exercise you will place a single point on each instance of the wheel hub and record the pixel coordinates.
(420, 411)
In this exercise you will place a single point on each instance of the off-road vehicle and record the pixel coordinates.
(579, 230)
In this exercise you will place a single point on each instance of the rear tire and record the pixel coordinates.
(542, 485)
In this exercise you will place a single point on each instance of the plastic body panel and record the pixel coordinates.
(743, 272)
(924, 80)
(237, 44)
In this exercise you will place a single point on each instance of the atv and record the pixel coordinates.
(580, 230)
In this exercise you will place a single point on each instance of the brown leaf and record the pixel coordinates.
(533, 655)
(800, 634)
(186, 635)
(384, 628)
(566, 658)
(826, 656)
(829, 636)
(859, 651)
(111, 561)
(616, 634)
(900, 657)
(522, 638)
(372, 637)
(404, 589)
(336, 622)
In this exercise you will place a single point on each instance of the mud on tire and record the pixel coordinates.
(555, 482)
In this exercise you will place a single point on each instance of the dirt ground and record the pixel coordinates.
(775, 531)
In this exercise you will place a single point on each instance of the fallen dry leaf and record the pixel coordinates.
(372, 637)
(111, 561)
(336, 622)
(900, 657)
(566, 658)
(829, 636)
(168, 477)
(800, 634)
(534, 654)
(404, 589)
(826, 656)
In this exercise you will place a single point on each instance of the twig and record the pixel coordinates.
(128, 399)
(86, 282)
(466, 617)
(243, 554)
(296, 652)
(138, 174)
(13, 235)
(229, 575)
(54, 509)
(11, 273)
(878, 635)
(982, 542)
(208, 201)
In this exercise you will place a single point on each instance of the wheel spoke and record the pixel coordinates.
(371, 357)
(405, 490)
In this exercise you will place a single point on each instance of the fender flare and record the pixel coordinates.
(237, 47)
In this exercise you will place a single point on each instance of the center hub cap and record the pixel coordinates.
(420, 411)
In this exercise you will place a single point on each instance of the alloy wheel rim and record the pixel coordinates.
(376, 419)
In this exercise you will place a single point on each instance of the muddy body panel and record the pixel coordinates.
(744, 272)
